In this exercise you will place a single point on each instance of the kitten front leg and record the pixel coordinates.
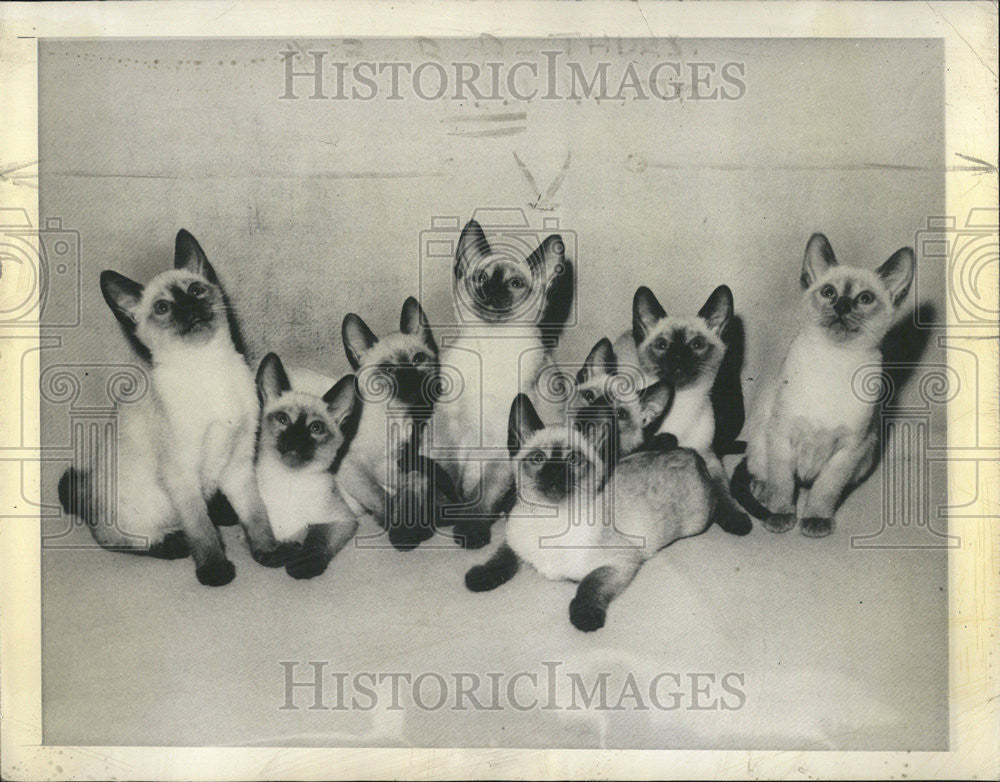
(240, 485)
(497, 570)
(588, 609)
(322, 543)
(828, 488)
(496, 498)
(211, 565)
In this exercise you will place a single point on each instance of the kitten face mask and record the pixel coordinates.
(681, 350)
(550, 463)
(183, 306)
(500, 284)
(603, 398)
(306, 432)
(848, 304)
(400, 367)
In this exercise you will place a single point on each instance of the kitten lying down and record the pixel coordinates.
(571, 521)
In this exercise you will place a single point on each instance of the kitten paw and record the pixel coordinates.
(482, 578)
(779, 522)
(817, 526)
(408, 538)
(173, 546)
(308, 563)
(217, 573)
(278, 556)
(734, 522)
(586, 616)
(472, 535)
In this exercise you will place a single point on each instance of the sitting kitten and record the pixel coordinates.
(191, 438)
(382, 473)
(809, 430)
(305, 431)
(512, 311)
(571, 521)
(687, 353)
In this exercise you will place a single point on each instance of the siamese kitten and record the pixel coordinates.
(512, 311)
(305, 430)
(191, 438)
(573, 521)
(602, 397)
(382, 475)
(809, 430)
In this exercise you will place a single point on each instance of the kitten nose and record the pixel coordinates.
(842, 306)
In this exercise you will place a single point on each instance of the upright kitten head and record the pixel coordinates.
(502, 286)
(551, 462)
(306, 432)
(184, 306)
(681, 350)
(603, 398)
(848, 304)
(400, 367)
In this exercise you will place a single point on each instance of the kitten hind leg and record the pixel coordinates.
(496, 498)
(589, 608)
(777, 491)
(497, 570)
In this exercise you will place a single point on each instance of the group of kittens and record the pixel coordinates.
(591, 483)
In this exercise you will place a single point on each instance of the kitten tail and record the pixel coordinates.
(75, 495)
(740, 488)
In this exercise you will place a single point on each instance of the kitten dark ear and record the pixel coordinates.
(600, 361)
(413, 320)
(357, 338)
(548, 254)
(897, 274)
(340, 399)
(522, 424)
(472, 247)
(123, 296)
(272, 381)
(654, 401)
(718, 310)
(188, 255)
(646, 313)
(818, 258)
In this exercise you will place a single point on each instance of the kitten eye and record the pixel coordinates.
(698, 343)
(483, 278)
(161, 307)
(537, 457)
(196, 289)
(660, 344)
(622, 413)
(572, 460)
(828, 292)
(419, 358)
(588, 396)
(282, 419)
(865, 297)
(317, 427)
(517, 283)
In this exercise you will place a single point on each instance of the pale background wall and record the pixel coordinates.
(310, 209)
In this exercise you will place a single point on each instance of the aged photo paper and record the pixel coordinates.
(499, 390)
